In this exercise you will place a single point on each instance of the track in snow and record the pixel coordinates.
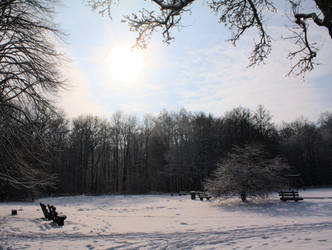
(257, 237)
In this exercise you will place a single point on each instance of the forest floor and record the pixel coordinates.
(171, 222)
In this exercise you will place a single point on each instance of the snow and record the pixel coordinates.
(162, 221)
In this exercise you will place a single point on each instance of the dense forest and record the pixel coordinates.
(169, 152)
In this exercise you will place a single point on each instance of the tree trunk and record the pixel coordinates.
(325, 7)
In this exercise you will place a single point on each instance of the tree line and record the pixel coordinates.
(169, 152)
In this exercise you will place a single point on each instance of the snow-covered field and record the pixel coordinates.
(170, 222)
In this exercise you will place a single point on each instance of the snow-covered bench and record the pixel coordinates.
(58, 219)
(50, 213)
(290, 195)
(203, 196)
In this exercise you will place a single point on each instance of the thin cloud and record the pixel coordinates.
(77, 100)
(222, 83)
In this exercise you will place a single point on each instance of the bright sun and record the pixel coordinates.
(125, 63)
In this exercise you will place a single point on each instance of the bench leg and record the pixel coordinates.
(61, 223)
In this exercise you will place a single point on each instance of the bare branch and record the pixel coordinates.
(147, 22)
(306, 53)
(103, 6)
(241, 15)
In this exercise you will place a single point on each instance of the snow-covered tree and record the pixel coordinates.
(247, 171)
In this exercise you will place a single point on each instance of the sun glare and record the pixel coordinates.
(125, 63)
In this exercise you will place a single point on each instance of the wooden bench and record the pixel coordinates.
(290, 196)
(203, 196)
(50, 213)
(59, 219)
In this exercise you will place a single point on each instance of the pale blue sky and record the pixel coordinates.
(199, 71)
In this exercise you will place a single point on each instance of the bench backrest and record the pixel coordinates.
(45, 211)
(52, 210)
(289, 193)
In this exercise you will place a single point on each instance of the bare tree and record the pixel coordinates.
(28, 76)
(239, 16)
(302, 145)
(28, 60)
